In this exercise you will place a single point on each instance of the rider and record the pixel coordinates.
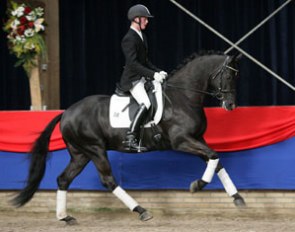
(137, 70)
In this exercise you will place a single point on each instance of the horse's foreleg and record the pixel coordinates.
(213, 165)
(207, 176)
(210, 170)
(200, 149)
(229, 186)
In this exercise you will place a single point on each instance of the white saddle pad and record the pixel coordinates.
(121, 119)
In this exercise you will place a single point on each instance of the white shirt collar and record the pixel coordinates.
(138, 32)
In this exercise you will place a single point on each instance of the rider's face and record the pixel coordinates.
(143, 21)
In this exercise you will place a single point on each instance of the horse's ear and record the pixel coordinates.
(237, 56)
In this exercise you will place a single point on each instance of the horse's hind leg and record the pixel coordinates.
(74, 168)
(229, 186)
(101, 162)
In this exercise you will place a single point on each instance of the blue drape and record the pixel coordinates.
(269, 167)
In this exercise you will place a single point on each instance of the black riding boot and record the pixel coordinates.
(131, 141)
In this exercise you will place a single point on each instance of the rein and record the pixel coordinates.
(192, 90)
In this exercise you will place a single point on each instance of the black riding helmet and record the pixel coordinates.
(138, 11)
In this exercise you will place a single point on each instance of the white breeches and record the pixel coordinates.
(139, 93)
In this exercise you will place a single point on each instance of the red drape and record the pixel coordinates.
(243, 128)
(249, 127)
(19, 129)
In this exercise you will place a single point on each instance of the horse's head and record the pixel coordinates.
(223, 81)
(211, 74)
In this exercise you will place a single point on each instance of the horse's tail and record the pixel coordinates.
(37, 165)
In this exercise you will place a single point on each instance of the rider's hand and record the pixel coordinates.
(165, 74)
(159, 77)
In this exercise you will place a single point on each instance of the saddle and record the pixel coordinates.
(123, 106)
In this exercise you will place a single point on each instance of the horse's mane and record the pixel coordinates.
(194, 56)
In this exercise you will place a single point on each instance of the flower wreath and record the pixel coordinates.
(25, 28)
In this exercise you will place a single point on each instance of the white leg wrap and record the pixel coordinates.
(125, 198)
(61, 204)
(228, 185)
(209, 172)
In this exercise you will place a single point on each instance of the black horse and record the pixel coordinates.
(87, 133)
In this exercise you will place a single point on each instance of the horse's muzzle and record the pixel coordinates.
(228, 105)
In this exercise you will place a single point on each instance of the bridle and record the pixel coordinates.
(215, 74)
(219, 73)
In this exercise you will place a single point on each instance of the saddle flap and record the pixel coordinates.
(123, 108)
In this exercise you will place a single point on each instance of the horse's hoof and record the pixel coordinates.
(197, 186)
(194, 187)
(239, 202)
(71, 221)
(145, 216)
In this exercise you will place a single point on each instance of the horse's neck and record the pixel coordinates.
(191, 81)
